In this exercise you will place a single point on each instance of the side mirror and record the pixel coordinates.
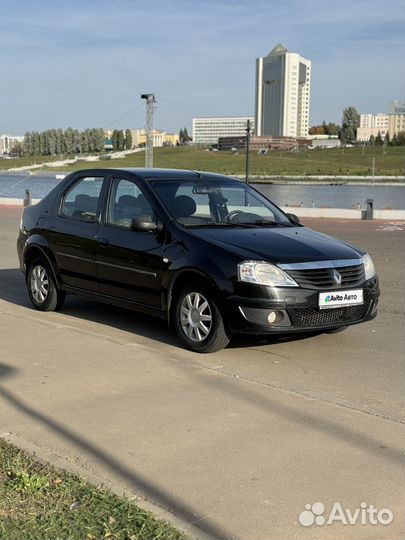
(143, 224)
(294, 219)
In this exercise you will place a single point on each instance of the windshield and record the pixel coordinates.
(217, 203)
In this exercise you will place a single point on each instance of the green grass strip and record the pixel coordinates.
(38, 501)
(333, 162)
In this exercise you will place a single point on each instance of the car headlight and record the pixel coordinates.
(369, 268)
(264, 273)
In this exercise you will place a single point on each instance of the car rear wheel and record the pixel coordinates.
(42, 289)
(198, 320)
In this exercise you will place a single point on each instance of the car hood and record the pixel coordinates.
(279, 245)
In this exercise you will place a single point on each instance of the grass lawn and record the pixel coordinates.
(40, 502)
(336, 162)
(22, 162)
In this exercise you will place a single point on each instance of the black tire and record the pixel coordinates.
(337, 330)
(189, 331)
(42, 289)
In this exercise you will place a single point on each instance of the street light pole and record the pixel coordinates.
(150, 108)
(247, 149)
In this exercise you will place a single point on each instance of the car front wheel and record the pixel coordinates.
(42, 289)
(198, 320)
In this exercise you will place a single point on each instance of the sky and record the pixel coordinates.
(85, 63)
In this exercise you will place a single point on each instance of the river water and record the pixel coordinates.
(333, 196)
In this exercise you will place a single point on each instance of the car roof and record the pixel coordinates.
(165, 174)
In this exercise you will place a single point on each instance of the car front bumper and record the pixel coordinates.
(294, 310)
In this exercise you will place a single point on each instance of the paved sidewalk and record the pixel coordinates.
(236, 443)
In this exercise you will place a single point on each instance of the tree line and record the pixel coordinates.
(58, 141)
(346, 131)
(396, 140)
(184, 136)
(325, 129)
(120, 140)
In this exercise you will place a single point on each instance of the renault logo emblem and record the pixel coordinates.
(337, 277)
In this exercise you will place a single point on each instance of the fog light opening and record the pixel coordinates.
(374, 308)
(275, 317)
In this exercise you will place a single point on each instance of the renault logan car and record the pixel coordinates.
(207, 252)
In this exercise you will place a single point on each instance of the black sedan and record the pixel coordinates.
(207, 252)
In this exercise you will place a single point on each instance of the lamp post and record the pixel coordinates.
(247, 149)
(150, 108)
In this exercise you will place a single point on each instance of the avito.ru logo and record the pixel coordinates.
(367, 514)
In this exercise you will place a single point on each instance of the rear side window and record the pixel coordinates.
(81, 201)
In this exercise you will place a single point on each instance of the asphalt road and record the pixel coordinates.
(236, 443)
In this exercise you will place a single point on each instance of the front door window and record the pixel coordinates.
(126, 203)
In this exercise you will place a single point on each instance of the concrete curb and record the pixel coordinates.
(343, 213)
(325, 177)
(339, 213)
(15, 202)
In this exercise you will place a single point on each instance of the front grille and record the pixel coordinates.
(330, 317)
(322, 278)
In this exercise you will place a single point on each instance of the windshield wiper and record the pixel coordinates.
(220, 224)
(271, 224)
(258, 224)
(248, 225)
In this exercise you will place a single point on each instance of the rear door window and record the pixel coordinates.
(82, 199)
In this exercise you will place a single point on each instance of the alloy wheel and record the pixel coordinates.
(196, 316)
(39, 284)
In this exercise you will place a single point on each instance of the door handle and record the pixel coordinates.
(103, 242)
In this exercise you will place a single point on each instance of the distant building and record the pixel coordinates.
(374, 124)
(371, 125)
(379, 120)
(160, 138)
(396, 124)
(208, 130)
(324, 141)
(8, 142)
(397, 107)
(283, 86)
(263, 143)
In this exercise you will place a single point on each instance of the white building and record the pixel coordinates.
(379, 120)
(139, 137)
(324, 141)
(8, 142)
(396, 124)
(283, 87)
(208, 130)
(371, 125)
(160, 138)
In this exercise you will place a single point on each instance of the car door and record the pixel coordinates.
(72, 231)
(129, 262)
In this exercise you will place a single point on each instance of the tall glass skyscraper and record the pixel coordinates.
(283, 84)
